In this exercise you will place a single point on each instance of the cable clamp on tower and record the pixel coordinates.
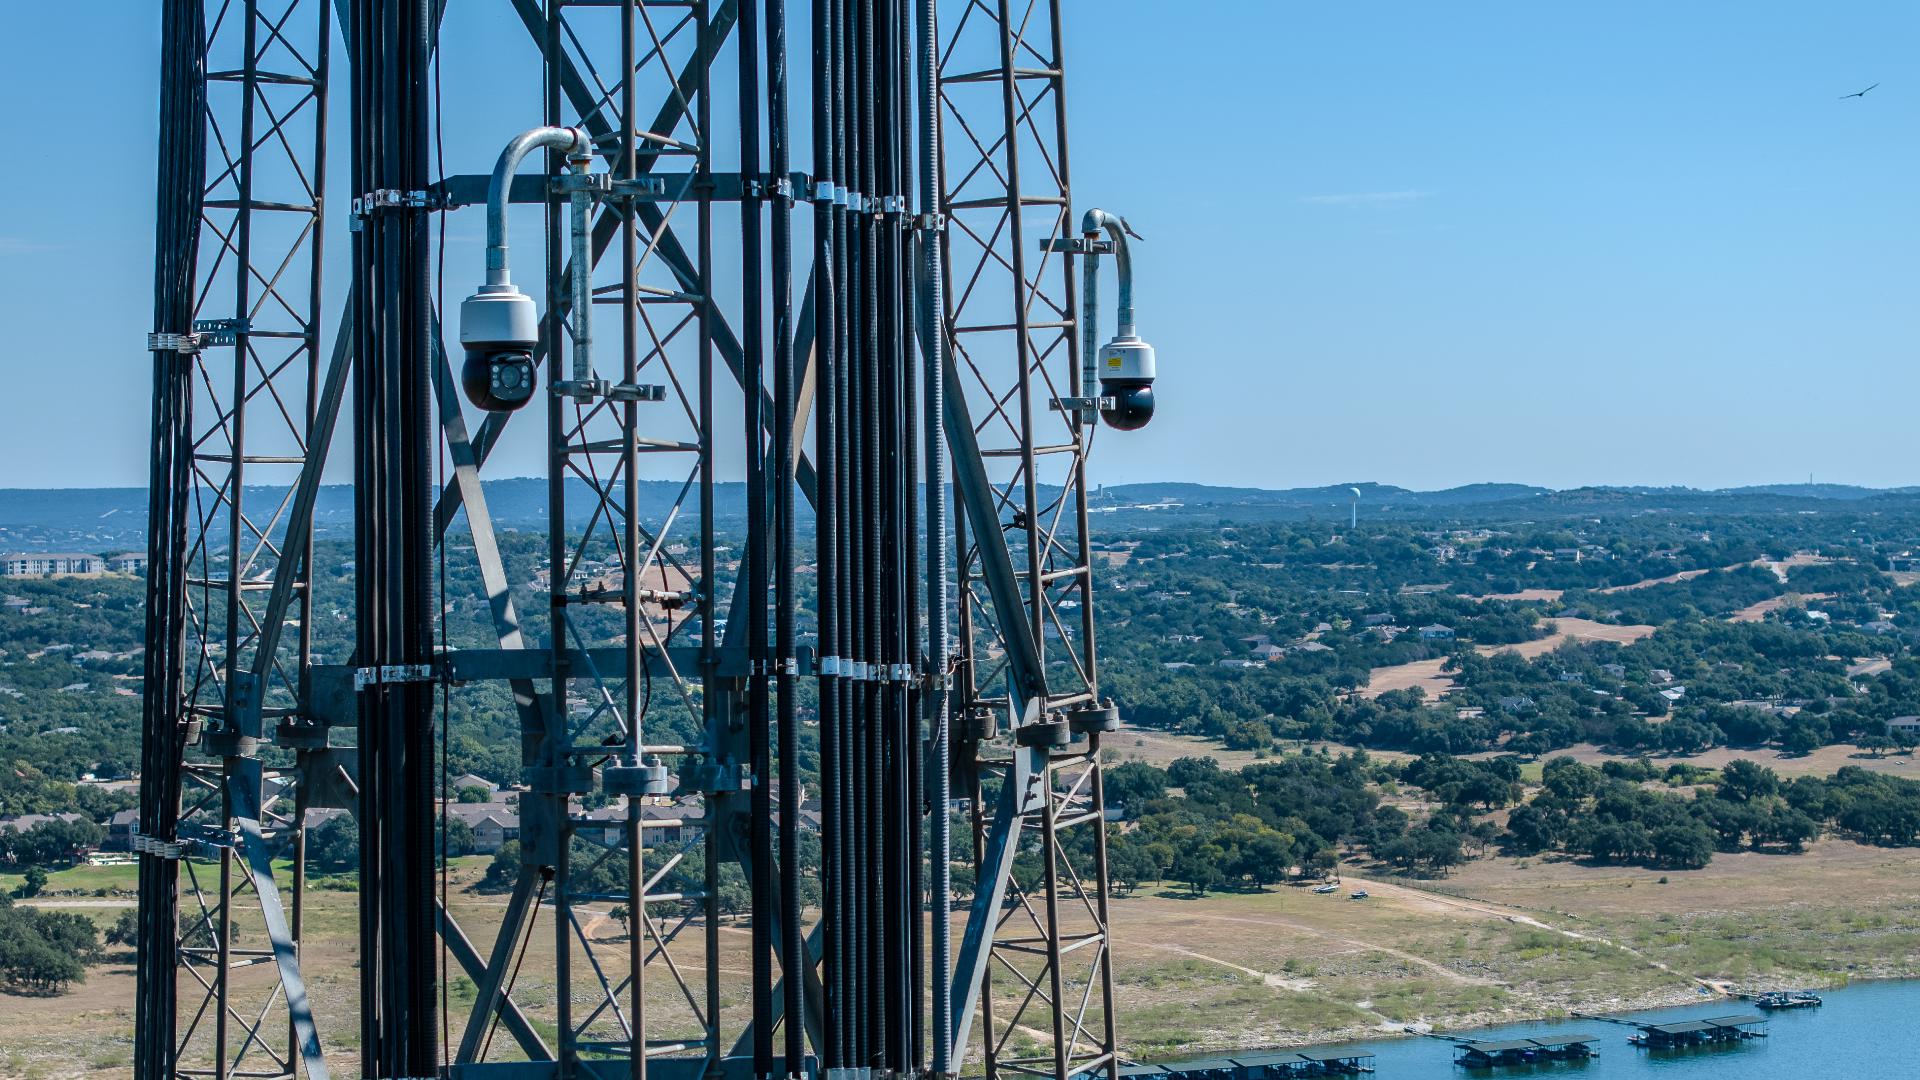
(390, 674)
(829, 665)
(175, 343)
(160, 849)
(1076, 245)
(893, 204)
(365, 206)
(205, 333)
(638, 187)
(929, 222)
(790, 666)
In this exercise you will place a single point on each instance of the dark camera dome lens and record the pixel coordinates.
(1132, 406)
(498, 381)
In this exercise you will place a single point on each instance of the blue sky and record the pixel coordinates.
(1417, 243)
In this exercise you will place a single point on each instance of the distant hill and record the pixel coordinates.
(115, 519)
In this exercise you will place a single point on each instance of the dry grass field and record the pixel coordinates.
(1758, 610)
(1822, 762)
(1426, 674)
(1501, 939)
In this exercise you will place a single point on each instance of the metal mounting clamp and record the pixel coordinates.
(1077, 245)
(636, 392)
(204, 333)
(390, 674)
(639, 187)
(365, 206)
(160, 849)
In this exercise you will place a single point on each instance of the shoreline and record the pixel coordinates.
(1467, 1023)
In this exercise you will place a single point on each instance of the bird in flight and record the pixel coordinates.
(1862, 93)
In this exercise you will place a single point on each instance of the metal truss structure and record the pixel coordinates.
(936, 323)
(239, 403)
(1026, 575)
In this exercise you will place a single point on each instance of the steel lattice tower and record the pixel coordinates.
(1026, 615)
(935, 321)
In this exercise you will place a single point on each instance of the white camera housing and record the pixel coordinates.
(499, 328)
(1126, 373)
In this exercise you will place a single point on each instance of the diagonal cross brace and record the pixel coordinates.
(243, 796)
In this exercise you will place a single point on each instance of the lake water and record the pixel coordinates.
(1870, 1030)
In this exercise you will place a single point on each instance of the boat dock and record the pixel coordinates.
(1785, 999)
(1483, 1055)
(1270, 1066)
(1683, 1034)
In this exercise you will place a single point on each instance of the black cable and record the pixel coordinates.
(440, 549)
(793, 946)
(755, 610)
(179, 189)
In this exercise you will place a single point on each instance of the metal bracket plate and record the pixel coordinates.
(365, 206)
(1076, 245)
(390, 674)
(162, 849)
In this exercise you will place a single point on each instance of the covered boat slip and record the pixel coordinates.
(1685, 1033)
(1476, 1055)
(1271, 1066)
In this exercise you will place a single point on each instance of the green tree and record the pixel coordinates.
(125, 929)
(1199, 867)
(504, 870)
(334, 847)
(1744, 781)
(35, 882)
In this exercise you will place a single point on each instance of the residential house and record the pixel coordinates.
(1436, 632)
(121, 828)
(493, 824)
(51, 564)
(128, 562)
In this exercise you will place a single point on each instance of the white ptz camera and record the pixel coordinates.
(1123, 366)
(499, 328)
(499, 324)
(1126, 382)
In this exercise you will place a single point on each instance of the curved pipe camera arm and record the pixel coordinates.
(1123, 369)
(578, 149)
(1094, 222)
(499, 325)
